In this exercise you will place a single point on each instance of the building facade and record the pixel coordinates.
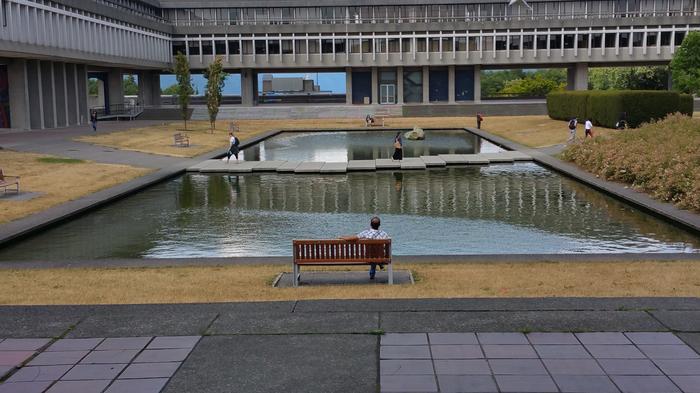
(392, 51)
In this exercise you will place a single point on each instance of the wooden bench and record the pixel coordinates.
(181, 140)
(379, 117)
(9, 181)
(340, 252)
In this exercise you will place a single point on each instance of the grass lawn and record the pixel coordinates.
(57, 179)
(253, 283)
(534, 131)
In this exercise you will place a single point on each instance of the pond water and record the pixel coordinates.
(521, 208)
(339, 146)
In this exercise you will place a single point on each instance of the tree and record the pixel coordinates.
(93, 90)
(629, 78)
(170, 90)
(537, 85)
(215, 76)
(131, 87)
(184, 84)
(686, 65)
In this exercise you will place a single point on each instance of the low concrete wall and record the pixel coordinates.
(496, 108)
(163, 114)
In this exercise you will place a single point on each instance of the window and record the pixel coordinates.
(287, 46)
(179, 47)
(367, 45)
(355, 46)
(313, 45)
(541, 41)
(247, 47)
(273, 47)
(665, 38)
(447, 44)
(207, 47)
(234, 47)
(220, 47)
(326, 46)
(300, 46)
(393, 45)
(555, 41)
(638, 40)
(421, 45)
(412, 86)
(651, 38)
(260, 47)
(680, 36)
(624, 40)
(406, 44)
(193, 47)
(610, 40)
(339, 46)
(528, 42)
(501, 42)
(597, 40)
(569, 40)
(583, 41)
(434, 44)
(461, 43)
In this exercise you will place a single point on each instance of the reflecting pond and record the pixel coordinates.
(521, 208)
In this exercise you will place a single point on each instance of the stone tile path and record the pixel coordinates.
(92, 365)
(538, 362)
(401, 277)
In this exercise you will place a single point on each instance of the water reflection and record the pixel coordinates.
(520, 208)
(363, 145)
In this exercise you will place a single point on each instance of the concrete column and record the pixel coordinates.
(477, 83)
(426, 84)
(115, 81)
(19, 94)
(451, 84)
(399, 85)
(348, 86)
(248, 92)
(149, 88)
(375, 86)
(577, 77)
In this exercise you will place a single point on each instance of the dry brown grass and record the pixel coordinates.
(535, 131)
(57, 182)
(253, 283)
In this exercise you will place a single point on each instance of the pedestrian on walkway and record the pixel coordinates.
(589, 129)
(93, 120)
(398, 148)
(572, 130)
(233, 147)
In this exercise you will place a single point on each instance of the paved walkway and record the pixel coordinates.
(333, 346)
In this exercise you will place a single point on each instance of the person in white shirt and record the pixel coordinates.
(372, 233)
(589, 129)
(233, 148)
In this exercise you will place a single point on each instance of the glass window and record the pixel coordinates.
(179, 47)
(665, 38)
(406, 44)
(501, 42)
(515, 42)
(555, 41)
(300, 46)
(220, 47)
(624, 40)
(393, 45)
(421, 45)
(528, 42)
(412, 86)
(355, 46)
(447, 44)
(638, 39)
(260, 47)
(461, 44)
(583, 41)
(313, 45)
(610, 40)
(340, 46)
(247, 47)
(207, 47)
(487, 43)
(287, 46)
(569, 41)
(680, 36)
(473, 44)
(651, 38)
(234, 47)
(541, 41)
(193, 47)
(367, 45)
(434, 44)
(380, 45)
(597, 40)
(273, 47)
(326, 46)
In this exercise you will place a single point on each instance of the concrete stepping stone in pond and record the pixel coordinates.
(288, 166)
(454, 159)
(240, 166)
(412, 163)
(385, 163)
(496, 157)
(362, 165)
(476, 159)
(433, 161)
(334, 167)
(202, 165)
(517, 155)
(268, 166)
(309, 167)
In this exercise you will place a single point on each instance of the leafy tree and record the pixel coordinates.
(131, 88)
(184, 84)
(92, 87)
(215, 76)
(492, 82)
(628, 78)
(170, 90)
(686, 65)
(537, 85)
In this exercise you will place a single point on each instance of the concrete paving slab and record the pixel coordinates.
(644, 384)
(408, 383)
(152, 385)
(679, 366)
(603, 338)
(692, 339)
(163, 355)
(150, 370)
(543, 321)
(174, 342)
(682, 321)
(404, 339)
(454, 159)
(170, 321)
(288, 166)
(406, 367)
(386, 163)
(517, 367)
(509, 352)
(334, 167)
(79, 386)
(476, 159)
(585, 383)
(110, 357)
(117, 343)
(268, 166)
(14, 358)
(456, 352)
(293, 323)
(202, 165)
(687, 383)
(654, 338)
(362, 165)
(239, 167)
(573, 367)
(537, 338)
(412, 163)
(84, 372)
(453, 339)
(218, 363)
(57, 358)
(309, 167)
(404, 352)
(502, 338)
(75, 344)
(462, 367)
(467, 383)
(516, 155)
(629, 367)
(668, 352)
(433, 161)
(23, 344)
(4, 370)
(39, 373)
(311, 278)
(526, 383)
(25, 387)
(615, 352)
(562, 352)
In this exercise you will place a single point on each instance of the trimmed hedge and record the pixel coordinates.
(604, 107)
(687, 104)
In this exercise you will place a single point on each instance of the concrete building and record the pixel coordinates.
(392, 51)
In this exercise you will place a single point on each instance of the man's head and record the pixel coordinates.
(374, 223)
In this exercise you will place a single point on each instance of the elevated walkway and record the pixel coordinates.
(423, 162)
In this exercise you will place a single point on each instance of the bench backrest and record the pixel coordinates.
(342, 251)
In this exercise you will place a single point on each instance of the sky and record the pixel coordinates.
(328, 81)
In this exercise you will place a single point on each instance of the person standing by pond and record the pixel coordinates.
(93, 120)
(233, 147)
(398, 148)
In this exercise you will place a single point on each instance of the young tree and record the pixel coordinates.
(215, 77)
(130, 86)
(184, 84)
(685, 65)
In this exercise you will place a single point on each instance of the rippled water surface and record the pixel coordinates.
(521, 208)
(363, 145)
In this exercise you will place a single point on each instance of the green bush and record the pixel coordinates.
(605, 108)
(687, 105)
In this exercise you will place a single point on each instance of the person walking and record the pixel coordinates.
(589, 129)
(398, 148)
(93, 120)
(233, 148)
(572, 130)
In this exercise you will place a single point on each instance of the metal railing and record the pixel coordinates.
(118, 111)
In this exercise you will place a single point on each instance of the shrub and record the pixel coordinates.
(605, 107)
(661, 158)
(686, 104)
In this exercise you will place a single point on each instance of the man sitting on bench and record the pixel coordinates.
(373, 233)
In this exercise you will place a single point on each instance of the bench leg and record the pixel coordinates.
(391, 274)
(295, 275)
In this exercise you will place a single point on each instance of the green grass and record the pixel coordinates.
(58, 160)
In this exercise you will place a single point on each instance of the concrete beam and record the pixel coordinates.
(19, 94)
